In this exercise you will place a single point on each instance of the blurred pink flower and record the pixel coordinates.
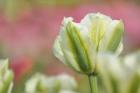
(21, 66)
(35, 29)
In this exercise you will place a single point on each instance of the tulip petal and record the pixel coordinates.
(6, 77)
(74, 43)
(120, 75)
(115, 36)
(109, 71)
(97, 25)
(67, 82)
(57, 50)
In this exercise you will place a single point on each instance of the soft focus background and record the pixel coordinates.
(28, 29)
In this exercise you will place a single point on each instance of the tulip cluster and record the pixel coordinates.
(91, 47)
(40, 83)
(6, 77)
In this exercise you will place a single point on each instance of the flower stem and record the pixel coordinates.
(93, 83)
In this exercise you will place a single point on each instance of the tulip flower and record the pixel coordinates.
(40, 83)
(66, 91)
(67, 82)
(119, 75)
(78, 44)
(6, 77)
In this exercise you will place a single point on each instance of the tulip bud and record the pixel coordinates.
(77, 44)
(40, 83)
(67, 82)
(6, 77)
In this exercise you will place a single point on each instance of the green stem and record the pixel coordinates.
(93, 83)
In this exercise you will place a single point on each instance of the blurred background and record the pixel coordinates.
(28, 29)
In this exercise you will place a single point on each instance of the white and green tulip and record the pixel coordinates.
(119, 75)
(67, 82)
(40, 83)
(67, 91)
(6, 77)
(77, 44)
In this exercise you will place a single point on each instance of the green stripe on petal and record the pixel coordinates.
(70, 60)
(115, 37)
(96, 25)
(78, 47)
